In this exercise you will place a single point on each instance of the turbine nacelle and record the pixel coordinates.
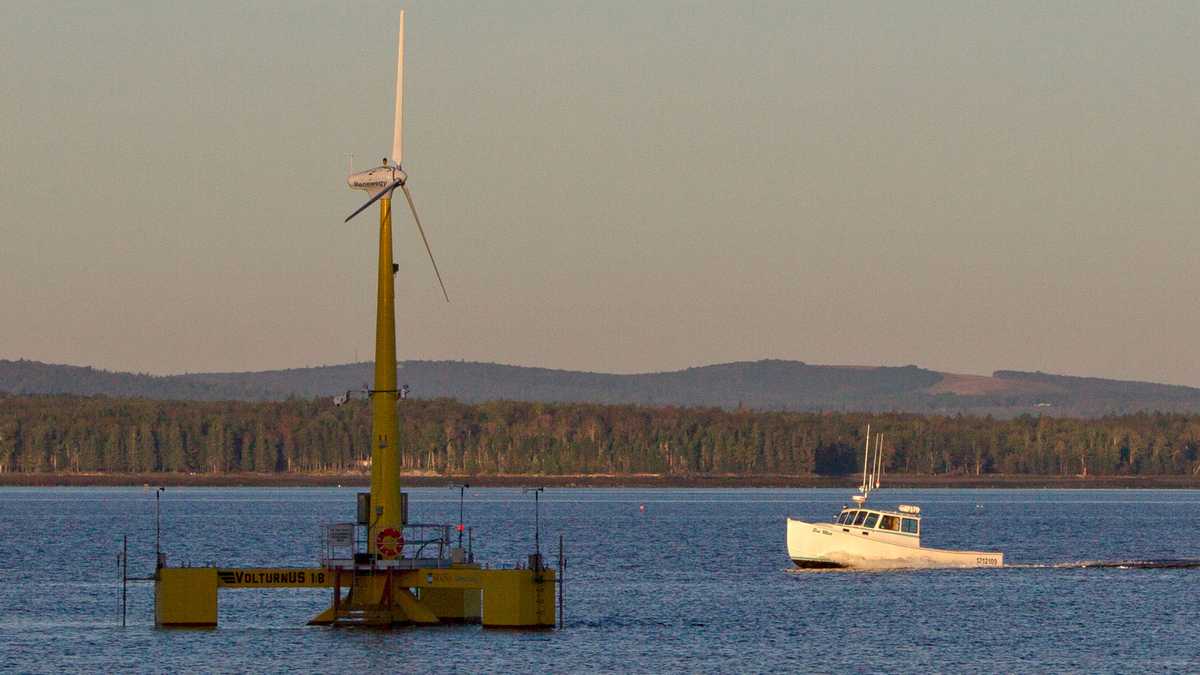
(379, 178)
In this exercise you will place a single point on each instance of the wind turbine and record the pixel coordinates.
(388, 506)
(382, 180)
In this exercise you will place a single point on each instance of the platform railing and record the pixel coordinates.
(429, 543)
(422, 539)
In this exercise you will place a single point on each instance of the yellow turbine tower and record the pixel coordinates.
(387, 503)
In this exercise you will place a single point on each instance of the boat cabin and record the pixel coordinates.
(906, 521)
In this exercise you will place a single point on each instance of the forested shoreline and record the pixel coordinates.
(73, 434)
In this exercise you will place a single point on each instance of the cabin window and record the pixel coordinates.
(871, 520)
(858, 520)
(843, 517)
(889, 523)
(909, 525)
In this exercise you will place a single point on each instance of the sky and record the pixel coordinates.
(608, 186)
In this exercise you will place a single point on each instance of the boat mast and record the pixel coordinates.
(878, 458)
(866, 486)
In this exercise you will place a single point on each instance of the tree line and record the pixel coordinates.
(121, 435)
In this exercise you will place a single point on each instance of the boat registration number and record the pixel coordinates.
(987, 560)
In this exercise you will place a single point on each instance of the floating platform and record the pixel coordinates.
(383, 595)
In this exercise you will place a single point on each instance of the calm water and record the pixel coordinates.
(698, 582)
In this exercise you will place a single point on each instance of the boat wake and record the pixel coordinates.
(1189, 563)
(898, 565)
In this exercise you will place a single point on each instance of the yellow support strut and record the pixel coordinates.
(385, 481)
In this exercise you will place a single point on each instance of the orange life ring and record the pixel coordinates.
(381, 542)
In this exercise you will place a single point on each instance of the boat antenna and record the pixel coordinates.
(878, 458)
(866, 484)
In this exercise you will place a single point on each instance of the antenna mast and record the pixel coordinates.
(879, 473)
(866, 486)
(878, 458)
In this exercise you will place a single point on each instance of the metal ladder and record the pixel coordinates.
(347, 612)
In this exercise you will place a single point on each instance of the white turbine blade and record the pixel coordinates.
(408, 196)
(398, 129)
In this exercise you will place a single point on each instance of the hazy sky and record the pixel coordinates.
(613, 186)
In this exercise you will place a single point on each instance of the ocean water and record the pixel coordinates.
(699, 581)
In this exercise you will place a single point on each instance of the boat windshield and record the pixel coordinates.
(892, 522)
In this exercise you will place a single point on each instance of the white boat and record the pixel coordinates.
(868, 538)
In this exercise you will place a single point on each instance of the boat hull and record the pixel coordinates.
(826, 545)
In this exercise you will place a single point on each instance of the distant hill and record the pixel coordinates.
(34, 377)
(763, 385)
